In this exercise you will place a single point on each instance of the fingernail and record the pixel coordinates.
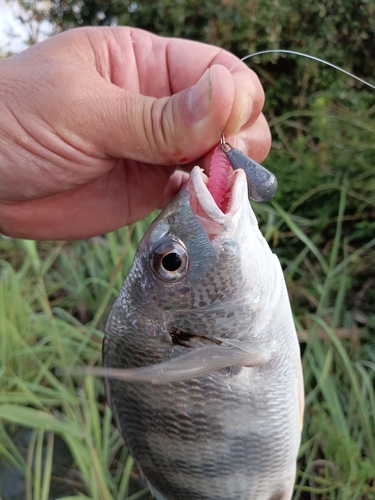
(245, 114)
(200, 97)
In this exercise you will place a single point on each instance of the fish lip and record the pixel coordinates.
(205, 208)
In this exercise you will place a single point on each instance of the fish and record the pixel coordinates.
(202, 360)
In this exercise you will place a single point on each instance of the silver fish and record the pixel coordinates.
(210, 402)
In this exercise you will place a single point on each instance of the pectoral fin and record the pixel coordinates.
(195, 363)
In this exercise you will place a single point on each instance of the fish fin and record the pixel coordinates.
(301, 392)
(196, 363)
(246, 347)
(154, 492)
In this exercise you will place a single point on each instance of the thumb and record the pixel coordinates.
(168, 130)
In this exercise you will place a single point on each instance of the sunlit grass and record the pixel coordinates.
(57, 436)
(40, 330)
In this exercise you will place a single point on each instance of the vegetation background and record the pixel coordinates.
(57, 437)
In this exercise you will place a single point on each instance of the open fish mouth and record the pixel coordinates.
(217, 219)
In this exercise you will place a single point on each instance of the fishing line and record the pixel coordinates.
(308, 56)
(262, 184)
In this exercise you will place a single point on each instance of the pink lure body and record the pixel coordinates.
(218, 178)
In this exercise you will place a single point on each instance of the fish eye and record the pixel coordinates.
(169, 260)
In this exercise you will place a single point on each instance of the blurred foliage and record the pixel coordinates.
(342, 32)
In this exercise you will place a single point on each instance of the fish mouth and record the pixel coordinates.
(217, 220)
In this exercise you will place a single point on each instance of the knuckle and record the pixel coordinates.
(160, 133)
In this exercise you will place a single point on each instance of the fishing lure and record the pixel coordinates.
(261, 183)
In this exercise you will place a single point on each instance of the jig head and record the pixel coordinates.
(262, 184)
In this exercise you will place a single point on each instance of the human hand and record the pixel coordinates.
(94, 122)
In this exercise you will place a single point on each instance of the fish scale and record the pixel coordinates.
(178, 430)
(232, 433)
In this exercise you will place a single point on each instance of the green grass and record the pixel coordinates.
(56, 432)
(47, 292)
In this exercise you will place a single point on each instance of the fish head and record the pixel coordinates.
(196, 260)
